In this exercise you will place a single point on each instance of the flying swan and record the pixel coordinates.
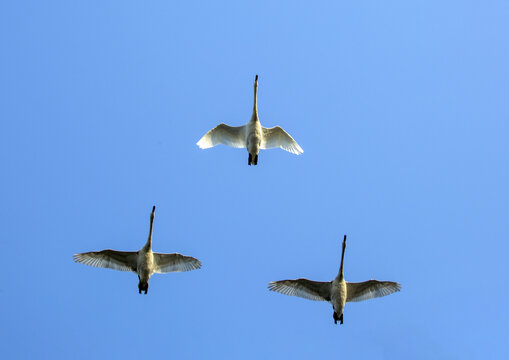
(337, 292)
(143, 262)
(252, 136)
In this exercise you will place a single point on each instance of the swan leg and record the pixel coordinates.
(249, 159)
(142, 286)
(255, 161)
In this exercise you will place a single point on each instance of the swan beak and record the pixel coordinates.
(256, 78)
(153, 211)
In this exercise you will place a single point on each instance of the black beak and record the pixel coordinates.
(256, 78)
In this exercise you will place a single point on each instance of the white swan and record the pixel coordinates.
(337, 292)
(251, 136)
(143, 262)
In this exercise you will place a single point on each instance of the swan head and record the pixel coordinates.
(256, 81)
(153, 212)
(344, 242)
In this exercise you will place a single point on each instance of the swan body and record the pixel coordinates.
(252, 136)
(144, 262)
(337, 292)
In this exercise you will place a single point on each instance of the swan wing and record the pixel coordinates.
(165, 263)
(277, 137)
(111, 259)
(312, 290)
(224, 134)
(370, 289)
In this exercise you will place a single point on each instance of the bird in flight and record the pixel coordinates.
(252, 136)
(143, 262)
(337, 292)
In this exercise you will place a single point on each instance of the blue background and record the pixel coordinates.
(401, 108)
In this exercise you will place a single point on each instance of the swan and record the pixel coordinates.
(337, 292)
(252, 136)
(143, 262)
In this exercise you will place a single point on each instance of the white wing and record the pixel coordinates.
(224, 134)
(370, 289)
(111, 259)
(165, 263)
(277, 137)
(312, 290)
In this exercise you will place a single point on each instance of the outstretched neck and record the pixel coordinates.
(340, 274)
(255, 106)
(148, 245)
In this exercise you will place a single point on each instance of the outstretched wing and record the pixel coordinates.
(111, 259)
(165, 263)
(224, 134)
(312, 290)
(370, 289)
(277, 137)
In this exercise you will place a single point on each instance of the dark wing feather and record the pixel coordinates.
(175, 262)
(312, 290)
(111, 259)
(370, 289)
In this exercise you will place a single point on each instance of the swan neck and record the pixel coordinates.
(255, 106)
(148, 245)
(340, 274)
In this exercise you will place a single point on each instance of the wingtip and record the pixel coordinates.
(273, 285)
(202, 144)
(297, 149)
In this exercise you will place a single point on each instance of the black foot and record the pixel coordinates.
(249, 159)
(335, 316)
(255, 161)
(147, 290)
(142, 286)
(341, 319)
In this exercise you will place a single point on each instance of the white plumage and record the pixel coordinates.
(251, 136)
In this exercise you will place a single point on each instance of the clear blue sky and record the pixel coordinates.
(402, 111)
